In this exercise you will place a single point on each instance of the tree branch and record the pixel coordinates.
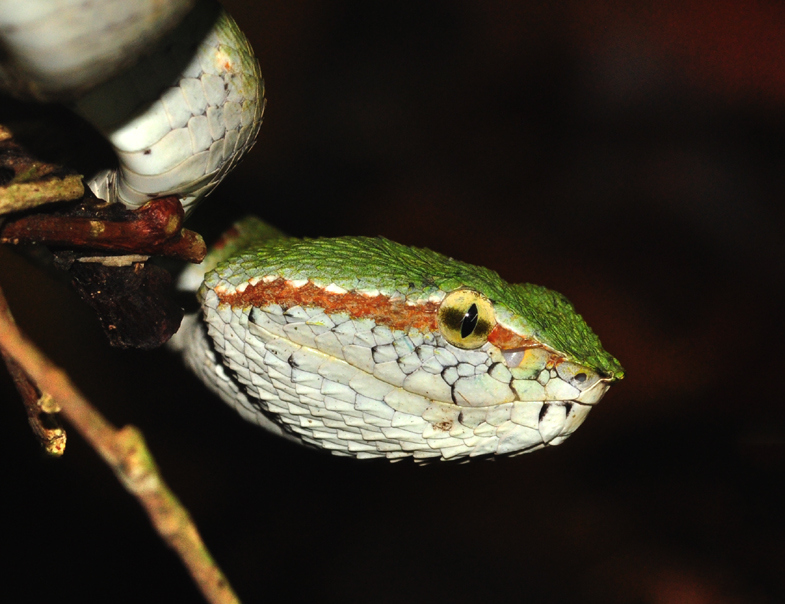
(126, 453)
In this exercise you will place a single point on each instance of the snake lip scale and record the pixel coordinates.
(359, 346)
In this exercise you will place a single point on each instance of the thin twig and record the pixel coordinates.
(126, 453)
(40, 412)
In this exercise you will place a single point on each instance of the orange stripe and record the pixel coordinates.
(396, 314)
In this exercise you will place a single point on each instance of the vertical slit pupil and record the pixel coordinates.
(469, 321)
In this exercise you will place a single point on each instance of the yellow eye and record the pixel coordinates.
(466, 318)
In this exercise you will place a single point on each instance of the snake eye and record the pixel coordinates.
(466, 318)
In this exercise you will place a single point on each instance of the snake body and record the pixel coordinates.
(179, 96)
(360, 346)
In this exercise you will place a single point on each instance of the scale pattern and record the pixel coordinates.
(353, 384)
(197, 129)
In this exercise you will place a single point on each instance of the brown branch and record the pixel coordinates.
(126, 453)
(153, 229)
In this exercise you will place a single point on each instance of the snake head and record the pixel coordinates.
(369, 348)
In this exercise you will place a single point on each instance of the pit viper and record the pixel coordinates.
(357, 345)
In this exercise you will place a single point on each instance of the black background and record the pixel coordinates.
(630, 158)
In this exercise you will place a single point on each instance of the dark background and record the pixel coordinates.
(629, 156)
